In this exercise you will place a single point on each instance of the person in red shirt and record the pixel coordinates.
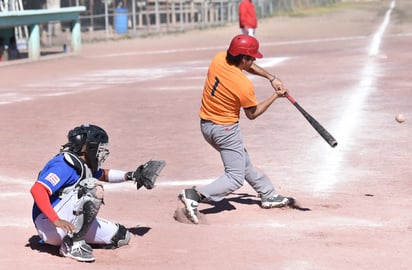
(247, 17)
(227, 90)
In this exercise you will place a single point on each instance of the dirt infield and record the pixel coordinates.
(354, 199)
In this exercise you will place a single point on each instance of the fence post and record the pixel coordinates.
(157, 16)
(134, 16)
(106, 18)
(181, 16)
(34, 42)
(76, 36)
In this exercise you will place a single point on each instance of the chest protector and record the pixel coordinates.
(81, 168)
(89, 194)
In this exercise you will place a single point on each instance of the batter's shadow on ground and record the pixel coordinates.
(35, 243)
(243, 198)
(226, 204)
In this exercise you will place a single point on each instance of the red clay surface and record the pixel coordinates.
(146, 94)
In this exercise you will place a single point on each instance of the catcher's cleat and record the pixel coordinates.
(121, 238)
(78, 250)
(277, 201)
(190, 198)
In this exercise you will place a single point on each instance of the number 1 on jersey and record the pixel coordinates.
(215, 86)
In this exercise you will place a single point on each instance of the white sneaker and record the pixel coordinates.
(78, 250)
(190, 198)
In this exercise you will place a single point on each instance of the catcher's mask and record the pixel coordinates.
(92, 142)
(244, 44)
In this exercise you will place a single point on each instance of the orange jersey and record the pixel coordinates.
(226, 90)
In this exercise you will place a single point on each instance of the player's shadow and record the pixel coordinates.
(293, 204)
(139, 231)
(35, 243)
(243, 198)
(226, 204)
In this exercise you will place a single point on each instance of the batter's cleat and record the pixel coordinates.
(190, 198)
(78, 250)
(277, 201)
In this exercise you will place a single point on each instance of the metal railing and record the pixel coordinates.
(140, 17)
(113, 19)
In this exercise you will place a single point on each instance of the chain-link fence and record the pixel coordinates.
(112, 18)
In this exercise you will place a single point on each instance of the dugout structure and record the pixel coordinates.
(33, 19)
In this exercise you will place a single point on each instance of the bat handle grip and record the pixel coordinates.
(290, 98)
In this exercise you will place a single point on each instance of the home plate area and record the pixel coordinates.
(180, 216)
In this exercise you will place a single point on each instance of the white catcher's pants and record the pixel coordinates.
(101, 231)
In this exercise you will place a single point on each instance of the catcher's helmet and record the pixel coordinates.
(244, 44)
(95, 140)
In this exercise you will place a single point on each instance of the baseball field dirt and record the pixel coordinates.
(348, 66)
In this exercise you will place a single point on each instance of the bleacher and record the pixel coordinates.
(24, 25)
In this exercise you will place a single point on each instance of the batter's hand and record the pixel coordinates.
(65, 225)
(280, 89)
(281, 92)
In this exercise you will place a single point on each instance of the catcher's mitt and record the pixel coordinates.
(146, 174)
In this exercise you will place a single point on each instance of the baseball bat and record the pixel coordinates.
(315, 124)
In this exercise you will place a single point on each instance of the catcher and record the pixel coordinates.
(68, 195)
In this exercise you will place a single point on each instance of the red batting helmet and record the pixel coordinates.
(244, 44)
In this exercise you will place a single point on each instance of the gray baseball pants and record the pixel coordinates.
(238, 167)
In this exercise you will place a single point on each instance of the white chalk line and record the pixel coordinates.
(23, 220)
(224, 47)
(338, 222)
(320, 222)
(101, 79)
(168, 51)
(328, 176)
(377, 38)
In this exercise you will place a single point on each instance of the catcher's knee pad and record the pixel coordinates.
(121, 237)
(90, 201)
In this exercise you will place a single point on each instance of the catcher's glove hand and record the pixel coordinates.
(146, 174)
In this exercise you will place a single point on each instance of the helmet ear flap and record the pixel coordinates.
(77, 139)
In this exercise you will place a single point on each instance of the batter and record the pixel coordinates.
(227, 89)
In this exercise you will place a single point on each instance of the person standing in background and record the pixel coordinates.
(13, 51)
(5, 54)
(247, 17)
(1, 47)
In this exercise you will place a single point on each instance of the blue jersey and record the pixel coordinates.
(57, 175)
